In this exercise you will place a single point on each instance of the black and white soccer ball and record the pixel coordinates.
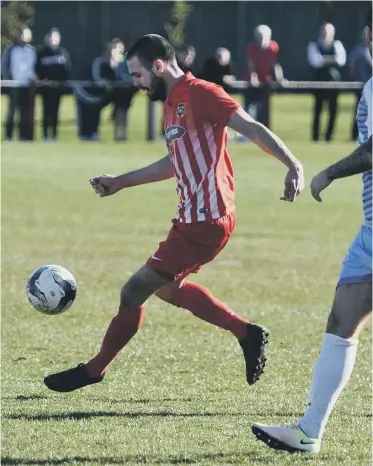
(51, 289)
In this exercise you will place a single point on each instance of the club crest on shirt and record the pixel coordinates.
(174, 132)
(180, 110)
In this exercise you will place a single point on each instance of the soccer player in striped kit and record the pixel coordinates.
(196, 114)
(352, 304)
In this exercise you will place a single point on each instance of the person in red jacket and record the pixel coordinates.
(262, 55)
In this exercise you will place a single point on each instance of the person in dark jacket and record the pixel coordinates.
(220, 69)
(122, 95)
(326, 56)
(92, 99)
(185, 57)
(53, 64)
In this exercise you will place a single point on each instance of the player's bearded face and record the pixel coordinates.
(146, 80)
(157, 89)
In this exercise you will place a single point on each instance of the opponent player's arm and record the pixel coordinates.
(241, 122)
(157, 171)
(359, 161)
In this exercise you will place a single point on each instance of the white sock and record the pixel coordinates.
(332, 371)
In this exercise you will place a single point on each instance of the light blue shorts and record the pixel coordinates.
(357, 265)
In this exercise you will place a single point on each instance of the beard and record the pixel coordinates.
(157, 90)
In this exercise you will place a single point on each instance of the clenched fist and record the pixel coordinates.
(294, 184)
(105, 185)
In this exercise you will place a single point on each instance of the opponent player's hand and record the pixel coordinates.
(294, 184)
(319, 183)
(105, 185)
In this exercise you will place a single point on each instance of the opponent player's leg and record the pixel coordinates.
(201, 303)
(122, 328)
(351, 308)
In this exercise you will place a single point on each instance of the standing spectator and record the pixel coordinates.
(326, 57)
(360, 66)
(18, 64)
(185, 57)
(220, 69)
(262, 55)
(53, 64)
(92, 99)
(122, 96)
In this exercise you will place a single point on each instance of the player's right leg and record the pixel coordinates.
(186, 251)
(351, 308)
(202, 304)
(122, 328)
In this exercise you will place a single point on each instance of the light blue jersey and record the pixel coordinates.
(364, 123)
(357, 265)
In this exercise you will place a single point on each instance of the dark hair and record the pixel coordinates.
(150, 48)
(368, 19)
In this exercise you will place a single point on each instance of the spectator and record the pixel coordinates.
(220, 69)
(360, 66)
(185, 58)
(92, 99)
(262, 55)
(53, 64)
(122, 96)
(326, 56)
(18, 64)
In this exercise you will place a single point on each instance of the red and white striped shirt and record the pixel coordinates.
(196, 113)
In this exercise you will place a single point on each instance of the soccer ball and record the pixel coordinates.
(51, 289)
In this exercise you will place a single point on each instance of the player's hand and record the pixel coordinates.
(294, 184)
(105, 185)
(319, 183)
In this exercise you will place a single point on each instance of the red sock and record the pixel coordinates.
(121, 329)
(201, 303)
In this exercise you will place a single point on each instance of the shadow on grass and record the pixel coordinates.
(71, 459)
(77, 415)
(25, 397)
(251, 457)
(142, 400)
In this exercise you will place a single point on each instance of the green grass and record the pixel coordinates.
(177, 394)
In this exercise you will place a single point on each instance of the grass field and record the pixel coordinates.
(177, 394)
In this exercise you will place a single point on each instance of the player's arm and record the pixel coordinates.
(359, 161)
(241, 122)
(213, 104)
(107, 185)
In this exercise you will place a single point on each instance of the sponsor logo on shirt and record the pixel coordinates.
(174, 132)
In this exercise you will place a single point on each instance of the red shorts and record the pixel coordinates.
(191, 245)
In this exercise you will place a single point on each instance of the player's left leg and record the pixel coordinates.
(121, 330)
(201, 303)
